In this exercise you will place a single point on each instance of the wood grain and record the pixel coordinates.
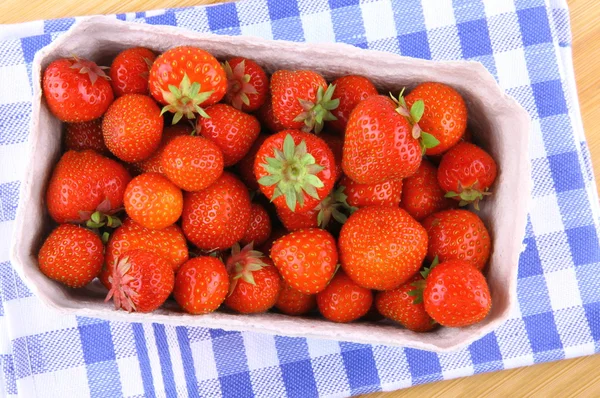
(576, 377)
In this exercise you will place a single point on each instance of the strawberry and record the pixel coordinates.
(381, 247)
(336, 144)
(295, 169)
(456, 294)
(255, 282)
(153, 201)
(379, 145)
(153, 164)
(458, 235)
(306, 259)
(444, 114)
(83, 183)
(293, 302)
(302, 100)
(76, 90)
(245, 167)
(132, 127)
(401, 305)
(192, 163)
(259, 228)
(218, 216)
(386, 193)
(267, 118)
(130, 70)
(85, 135)
(466, 173)
(232, 130)
(343, 300)
(422, 194)
(350, 90)
(334, 205)
(177, 77)
(140, 281)
(247, 84)
(71, 255)
(201, 285)
(168, 242)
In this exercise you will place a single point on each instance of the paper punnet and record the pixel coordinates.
(499, 123)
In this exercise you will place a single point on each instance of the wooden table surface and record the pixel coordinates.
(575, 377)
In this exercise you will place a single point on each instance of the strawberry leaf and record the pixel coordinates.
(429, 141)
(416, 111)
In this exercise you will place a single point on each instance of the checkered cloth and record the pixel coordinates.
(525, 44)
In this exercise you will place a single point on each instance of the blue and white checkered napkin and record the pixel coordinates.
(526, 45)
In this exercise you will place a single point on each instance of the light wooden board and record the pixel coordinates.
(576, 377)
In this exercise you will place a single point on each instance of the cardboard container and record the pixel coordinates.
(501, 125)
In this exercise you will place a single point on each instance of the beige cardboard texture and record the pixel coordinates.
(500, 124)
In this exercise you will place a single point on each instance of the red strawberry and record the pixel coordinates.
(456, 294)
(336, 144)
(259, 228)
(168, 242)
(255, 282)
(334, 205)
(267, 118)
(245, 167)
(153, 201)
(301, 99)
(140, 281)
(132, 127)
(76, 90)
(247, 84)
(443, 115)
(218, 216)
(458, 235)
(387, 193)
(466, 173)
(201, 285)
(192, 163)
(350, 90)
(292, 302)
(86, 135)
(71, 255)
(306, 259)
(232, 130)
(130, 70)
(422, 194)
(379, 145)
(153, 164)
(83, 183)
(381, 247)
(295, 169)
(403, 306)
(343, 300)
(178, 75)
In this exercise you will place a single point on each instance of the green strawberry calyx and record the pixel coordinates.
(414, 115)
(316, 114)
(334, 205)
(293, 172)
(90, 68)
(185, 100)
(468, 195)
(238, 84)
(101, 217)
(419, 286)
(242, 263)
(121, 281)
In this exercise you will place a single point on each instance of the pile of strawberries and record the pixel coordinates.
(253, 192)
